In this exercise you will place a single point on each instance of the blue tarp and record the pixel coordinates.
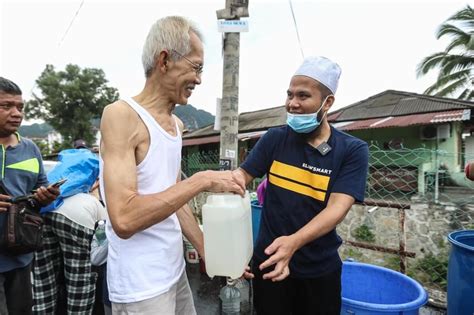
(80, 167)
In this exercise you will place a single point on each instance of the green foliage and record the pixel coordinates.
(434, 269)
(70, 100)
(364, 233)
(456, 63)
(351, 253)
(42, 146)
(392, 262)
(56, 148)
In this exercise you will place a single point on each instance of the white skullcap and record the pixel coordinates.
(322, 70)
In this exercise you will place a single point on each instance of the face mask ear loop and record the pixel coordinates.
(322, 105)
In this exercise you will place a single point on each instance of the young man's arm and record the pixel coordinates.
(130, 212)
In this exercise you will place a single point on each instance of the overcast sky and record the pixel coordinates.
(378, 44)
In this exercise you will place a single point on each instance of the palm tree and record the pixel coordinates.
(456, 63)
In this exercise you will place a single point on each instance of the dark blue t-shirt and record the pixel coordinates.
(300, 180)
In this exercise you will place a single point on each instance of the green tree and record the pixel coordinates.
(42, 146)
(70, 100)
(456, 63)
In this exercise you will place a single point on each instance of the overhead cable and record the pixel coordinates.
(70, 24)
(296, 28)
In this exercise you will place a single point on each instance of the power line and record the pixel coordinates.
(63, 37)
(70, 24)
(296, 28)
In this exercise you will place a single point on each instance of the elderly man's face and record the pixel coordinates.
(303, 96)
(187, 72)
(11, 113)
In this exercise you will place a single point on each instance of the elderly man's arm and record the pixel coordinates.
(191, 228)
(129, 211)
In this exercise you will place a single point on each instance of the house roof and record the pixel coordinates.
(403, 121)
(393, 103)
(249, 121)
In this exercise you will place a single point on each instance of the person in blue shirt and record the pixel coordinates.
(21, 172)
(315, 174)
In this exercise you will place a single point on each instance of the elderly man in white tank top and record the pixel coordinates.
(140, 166)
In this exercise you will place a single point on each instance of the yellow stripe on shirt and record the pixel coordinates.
(298, 188)
(299, 175)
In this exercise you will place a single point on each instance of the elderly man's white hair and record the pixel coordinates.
(168, 33)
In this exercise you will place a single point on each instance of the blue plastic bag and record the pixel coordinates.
(80, 167)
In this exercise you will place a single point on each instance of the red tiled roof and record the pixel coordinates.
(403, 121)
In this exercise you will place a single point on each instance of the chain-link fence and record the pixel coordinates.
(414, 199)
(200, 161)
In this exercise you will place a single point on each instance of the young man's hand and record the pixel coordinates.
(280, 251)
(46, 195)
(4, 202)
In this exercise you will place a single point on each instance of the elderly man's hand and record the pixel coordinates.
(223, 181)
(46, 195)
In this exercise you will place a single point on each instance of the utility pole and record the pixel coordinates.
(234, 10)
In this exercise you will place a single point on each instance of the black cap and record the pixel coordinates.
(80, 144)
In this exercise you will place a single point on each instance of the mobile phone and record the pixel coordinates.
(59, 182)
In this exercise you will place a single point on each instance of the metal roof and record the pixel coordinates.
(249, 121)
(396, 103)
(404, 121)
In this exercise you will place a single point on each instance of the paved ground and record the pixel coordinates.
(206, 293)
(205, 290)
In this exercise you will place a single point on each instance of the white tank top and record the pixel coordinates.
(151, 261)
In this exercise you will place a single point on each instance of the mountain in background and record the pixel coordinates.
(35, 130)
(191, 117)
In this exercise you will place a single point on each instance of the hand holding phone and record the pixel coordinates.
(59, 182)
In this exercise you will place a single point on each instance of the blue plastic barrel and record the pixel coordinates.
(370, 290)
(461, 273)
(256, 214)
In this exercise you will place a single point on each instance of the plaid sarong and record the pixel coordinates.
(65, 253)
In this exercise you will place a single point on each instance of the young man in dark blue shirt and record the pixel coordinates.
(21, 172)
(315, 174)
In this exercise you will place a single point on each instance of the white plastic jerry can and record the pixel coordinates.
(227, 227)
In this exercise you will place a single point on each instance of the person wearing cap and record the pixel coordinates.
(315, 174)
(80, 144)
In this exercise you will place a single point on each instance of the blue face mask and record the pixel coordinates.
(304, 123)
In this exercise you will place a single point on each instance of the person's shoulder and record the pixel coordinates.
(279, 131)
(118, 114)
(26, 141)
(118, 108)
(348, 139)
(28, 144)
